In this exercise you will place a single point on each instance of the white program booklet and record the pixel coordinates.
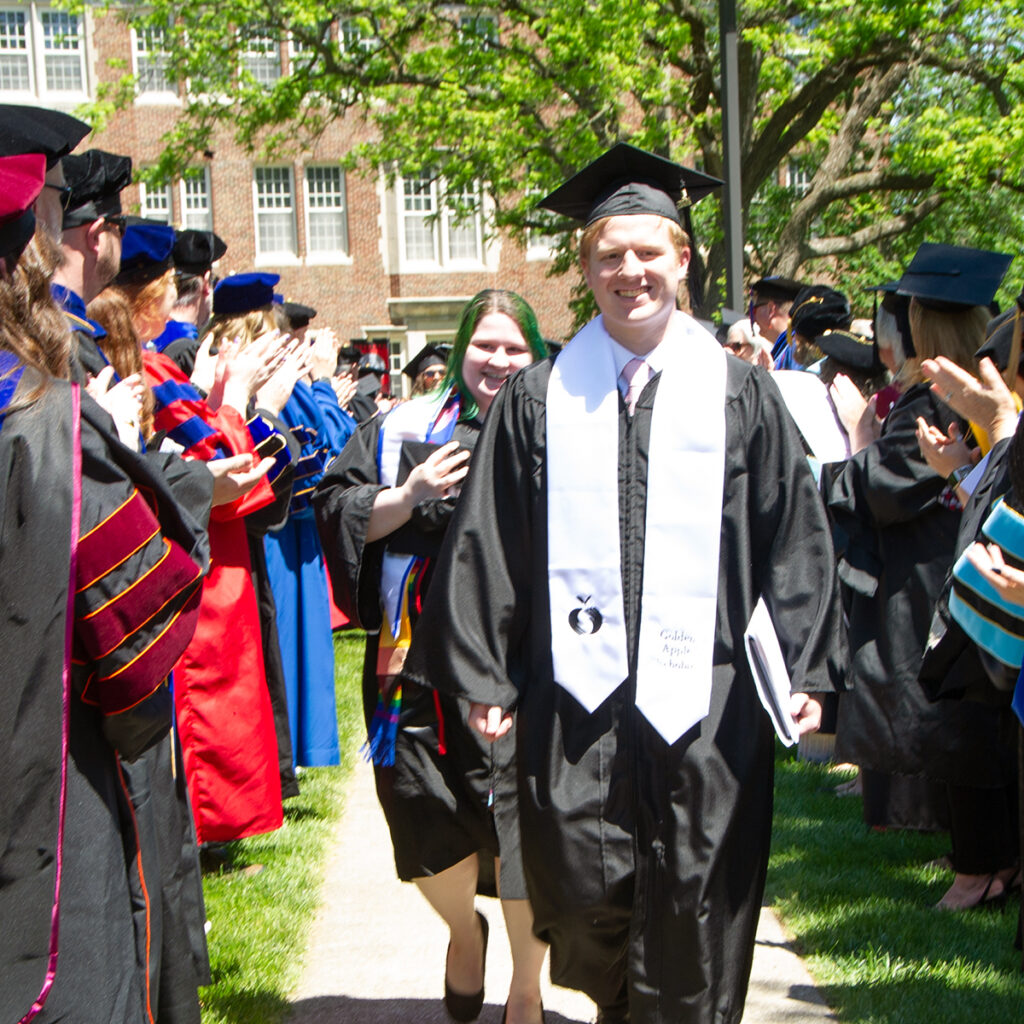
(770, 674)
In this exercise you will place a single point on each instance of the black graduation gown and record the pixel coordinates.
(886, 723)
(436, 805)
(109, 902)
(645, 862)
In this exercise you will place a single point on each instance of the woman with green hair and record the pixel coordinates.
(449, 797)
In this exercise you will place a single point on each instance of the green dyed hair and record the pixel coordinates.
(490, 300)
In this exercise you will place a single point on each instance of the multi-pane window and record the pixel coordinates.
(326, 213)
(355, 34)
(798, 178)
(262, 57)
(437, 232)
(62, 51)
(150, 51)
(155, 202)
(42, 51)
(196, 211)
(15, 55)
(275, 210)
(481, 28)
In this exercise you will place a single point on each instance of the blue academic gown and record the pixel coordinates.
(295, 564)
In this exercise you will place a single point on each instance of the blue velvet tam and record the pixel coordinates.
(146, 251)
(242, 293)
(949, 278)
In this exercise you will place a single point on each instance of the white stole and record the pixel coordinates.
(408, 421)
(686, 471)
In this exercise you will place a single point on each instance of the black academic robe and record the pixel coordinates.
(886, 723)
(436, 804)
(645, 861)
(136, 598)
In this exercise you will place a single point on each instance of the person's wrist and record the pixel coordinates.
(957, 477)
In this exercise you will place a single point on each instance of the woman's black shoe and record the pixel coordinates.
(461, 1007)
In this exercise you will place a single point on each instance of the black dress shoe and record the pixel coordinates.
(462, 1007)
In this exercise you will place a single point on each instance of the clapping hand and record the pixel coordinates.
(122, 400)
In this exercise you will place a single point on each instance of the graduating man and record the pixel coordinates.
(629, 502)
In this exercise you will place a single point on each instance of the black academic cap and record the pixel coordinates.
(371, 363)
(297, 314)
(146, 251)
(850, 349)
(243, 293)
(949, 278)
(21, 181)
(781, 289)
(37, 130)
(196, 251)
(627, 180)
(96, 179)
(818, 308)
(429, 355)
(348, 354)
(998, 338)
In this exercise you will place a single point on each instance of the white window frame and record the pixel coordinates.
(441, 221)
(144, 96)
(269, 47)
(470, 23)
(148, 193)
(316, 256)
(266, 256)
(36, 53)
(351, 36)
(798, 178)
(196, 174)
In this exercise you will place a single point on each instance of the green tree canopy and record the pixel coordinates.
(899, 120)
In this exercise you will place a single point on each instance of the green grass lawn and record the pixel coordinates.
(858, 903)
(259, 922)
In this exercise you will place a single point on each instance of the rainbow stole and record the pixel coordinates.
(430, 419)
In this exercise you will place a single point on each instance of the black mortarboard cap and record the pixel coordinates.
(348, 354)
(96, 179)
(781, 289)
(371, 363)
(297, 314)
(627, 180)
(21, 181)
(429, 355)
(242, 293)
(196, 251)
(949, 278)
(146, 251)
(998, 339)
(818, 308)
(37, 130)
(850, 349)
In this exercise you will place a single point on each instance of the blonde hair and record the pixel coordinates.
(247, 326)
(956, 335)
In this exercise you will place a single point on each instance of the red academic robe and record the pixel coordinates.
(223, 707)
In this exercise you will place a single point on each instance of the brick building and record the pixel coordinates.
(372, 258)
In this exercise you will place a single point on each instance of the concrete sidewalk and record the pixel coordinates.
(376, 953)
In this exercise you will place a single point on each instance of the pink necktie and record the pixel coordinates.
(636, 373)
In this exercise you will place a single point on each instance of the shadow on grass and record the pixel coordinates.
(259, 1007)
(346, 1010)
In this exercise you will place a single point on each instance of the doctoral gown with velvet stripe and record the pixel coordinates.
(134, 610)
(223, 706)
(645, 862)
(295, 565)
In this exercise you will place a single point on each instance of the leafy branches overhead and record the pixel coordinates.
(895, 110)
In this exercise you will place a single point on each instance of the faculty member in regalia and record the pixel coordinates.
(630, 501)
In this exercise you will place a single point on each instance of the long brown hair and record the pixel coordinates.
(956, 335)
(112, 309)
(32, 326)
